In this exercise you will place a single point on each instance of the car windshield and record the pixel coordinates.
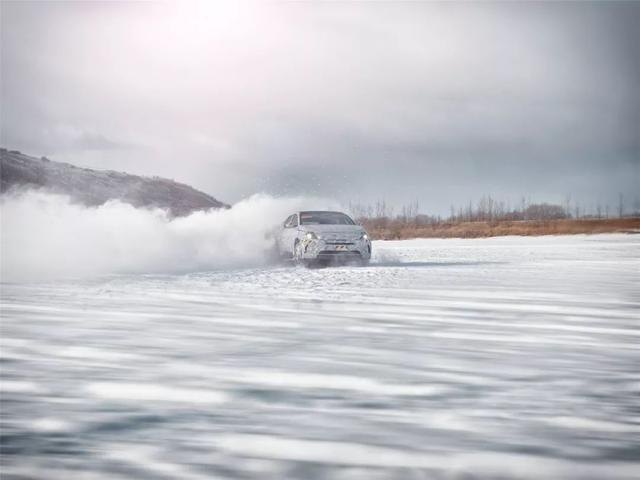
(324, 218)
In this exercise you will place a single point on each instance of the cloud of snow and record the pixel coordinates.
(46, 236)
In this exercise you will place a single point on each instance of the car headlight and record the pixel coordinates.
(311, 236)
(364, 237)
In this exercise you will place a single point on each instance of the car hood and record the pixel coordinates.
(326, 229)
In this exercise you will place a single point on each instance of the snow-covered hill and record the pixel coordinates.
(95, 187)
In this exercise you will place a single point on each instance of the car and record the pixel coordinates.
(322, 237)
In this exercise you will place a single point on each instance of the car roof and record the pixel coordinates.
(321, 211)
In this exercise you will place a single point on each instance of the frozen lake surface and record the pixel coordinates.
(491, 358)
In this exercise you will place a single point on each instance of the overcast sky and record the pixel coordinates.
(439, 102)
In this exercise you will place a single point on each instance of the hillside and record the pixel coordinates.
(95, 187)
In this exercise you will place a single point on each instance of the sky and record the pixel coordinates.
(439, 103)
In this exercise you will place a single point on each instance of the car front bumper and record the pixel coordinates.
(320, 249)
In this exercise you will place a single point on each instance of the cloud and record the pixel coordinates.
(435, 101)
(63, 138)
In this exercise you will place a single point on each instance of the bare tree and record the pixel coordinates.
(567, 204)
(469, 212)
(620, 205)
(499, 210)
(545, 211)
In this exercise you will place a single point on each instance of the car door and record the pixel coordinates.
(283, 236)
(280, 236)
(289, 232)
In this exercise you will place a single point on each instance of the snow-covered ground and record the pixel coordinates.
(492, 358)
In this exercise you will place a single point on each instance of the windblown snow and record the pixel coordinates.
(48, 236)
(493, 358)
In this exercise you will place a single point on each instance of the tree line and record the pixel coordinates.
(488, 209)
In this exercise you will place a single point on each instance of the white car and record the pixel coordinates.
(316, 236)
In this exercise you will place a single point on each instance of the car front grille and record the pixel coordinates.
(338, 239)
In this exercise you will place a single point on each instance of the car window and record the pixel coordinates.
(325, 218)
(291, 221)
